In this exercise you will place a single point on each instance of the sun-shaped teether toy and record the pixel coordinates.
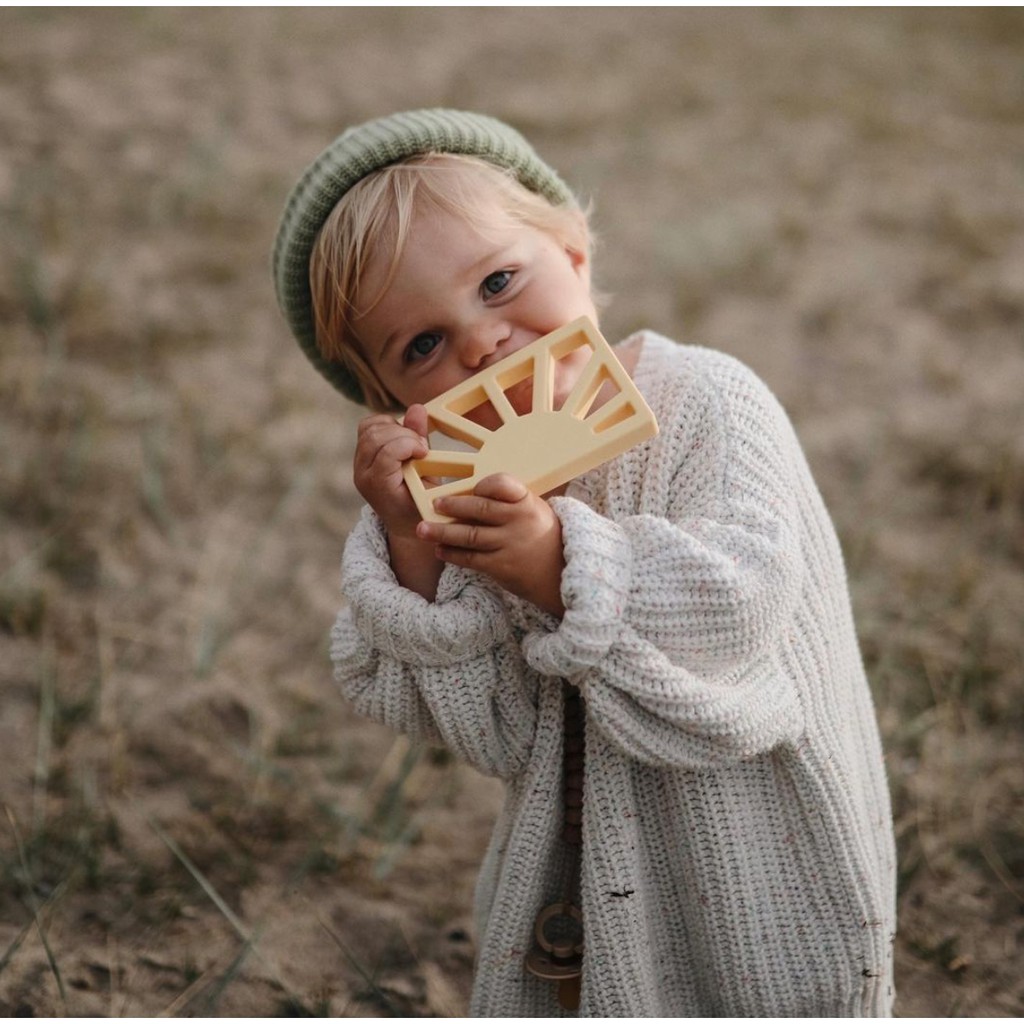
(548, 445)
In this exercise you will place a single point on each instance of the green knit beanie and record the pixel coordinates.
(358, 152)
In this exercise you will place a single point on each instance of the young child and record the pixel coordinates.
(737, 848)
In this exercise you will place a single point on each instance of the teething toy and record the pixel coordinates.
(543, 448)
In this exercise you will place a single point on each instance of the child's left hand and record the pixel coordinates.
(506, 532)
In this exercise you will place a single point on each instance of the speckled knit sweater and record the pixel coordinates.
(734, 778)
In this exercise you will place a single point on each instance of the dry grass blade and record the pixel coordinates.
(368, 978)
(37, 911)
(15, 945)
(1001, 871)
(44, 736)
(203, 882)
(204, 1002)
(250, 939)
(183, 998)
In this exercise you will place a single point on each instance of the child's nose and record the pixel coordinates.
(483, 341)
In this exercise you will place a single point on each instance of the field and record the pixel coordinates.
(194, 821)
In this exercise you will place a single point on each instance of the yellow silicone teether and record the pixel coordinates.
(545, 447)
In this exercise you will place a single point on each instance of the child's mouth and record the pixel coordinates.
(521, 396)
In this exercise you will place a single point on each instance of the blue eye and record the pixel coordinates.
(421, 346)
(496, 283)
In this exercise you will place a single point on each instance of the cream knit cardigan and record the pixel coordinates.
(734, 780)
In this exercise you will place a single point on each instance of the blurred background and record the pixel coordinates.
(194, 822)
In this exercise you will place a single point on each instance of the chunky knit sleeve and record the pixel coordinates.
(675, 617)
(448, 671)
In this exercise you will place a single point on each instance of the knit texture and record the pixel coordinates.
(358, 152)
(738, 855)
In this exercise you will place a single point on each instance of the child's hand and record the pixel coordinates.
(507, 532)
(383, 446)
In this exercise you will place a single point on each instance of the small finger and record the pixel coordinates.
(397, 444)
(501, 487)
(472, 508)
(416, 419)
(382, 432)
(464, 536)
(378, 425)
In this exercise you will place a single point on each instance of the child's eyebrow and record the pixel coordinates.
(492, 256)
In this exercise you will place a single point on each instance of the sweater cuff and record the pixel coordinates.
(466, 618)
(595, 588)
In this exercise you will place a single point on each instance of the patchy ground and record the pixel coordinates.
(195, 823)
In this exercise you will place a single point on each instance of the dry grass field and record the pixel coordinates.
(193, 821)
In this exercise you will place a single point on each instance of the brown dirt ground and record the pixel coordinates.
(195, 822)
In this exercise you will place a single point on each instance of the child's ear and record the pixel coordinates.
(580, 260)
(577, 248)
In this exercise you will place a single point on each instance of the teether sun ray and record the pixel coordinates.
(545, 447)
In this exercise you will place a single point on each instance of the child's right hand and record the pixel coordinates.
(382, 447)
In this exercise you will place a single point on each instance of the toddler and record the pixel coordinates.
(736, 852)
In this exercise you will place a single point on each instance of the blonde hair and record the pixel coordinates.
(373, 219)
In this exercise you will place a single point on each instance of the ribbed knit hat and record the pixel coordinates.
(356, 153)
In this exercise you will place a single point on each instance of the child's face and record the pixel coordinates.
(460, 301)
